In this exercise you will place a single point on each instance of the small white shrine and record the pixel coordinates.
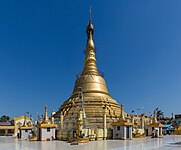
(46, 128)
(122, 129)
(155, 128)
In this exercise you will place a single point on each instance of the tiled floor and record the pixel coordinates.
(166, 143)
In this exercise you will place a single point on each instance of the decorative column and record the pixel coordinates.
(81, 118)
(52, 117)
(142, 121)
(104, 123)
(122, 113)
(60, 133)
(15, 128)
(160, 128)
(61, 120)
(6, 131)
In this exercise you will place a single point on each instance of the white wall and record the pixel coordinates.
(150, 131)
(47, 135)
(25, 134)
(130, 132)
(120, 134)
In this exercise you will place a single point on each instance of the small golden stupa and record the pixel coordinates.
(95, 94)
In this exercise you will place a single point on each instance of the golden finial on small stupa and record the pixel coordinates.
(122, 118)
(154, 117)
(46, 119)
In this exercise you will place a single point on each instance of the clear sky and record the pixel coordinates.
(138, 46)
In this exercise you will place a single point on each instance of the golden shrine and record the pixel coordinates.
(90, 94)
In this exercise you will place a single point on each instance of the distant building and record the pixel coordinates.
(6, 128)
(178, 119)
(25, 129)
(15, 127)
(168, 129)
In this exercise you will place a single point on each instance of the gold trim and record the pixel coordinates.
(24, 128)
(47, 126)
(155, 124)
(7, 127)
(21, 117)
(122, 123)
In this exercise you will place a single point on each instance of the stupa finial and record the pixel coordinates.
(122, 113)
(90, 14)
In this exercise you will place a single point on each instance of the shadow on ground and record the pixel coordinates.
(176, 143)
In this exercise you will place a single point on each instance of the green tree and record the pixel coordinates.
(159, 114)
(4, 118)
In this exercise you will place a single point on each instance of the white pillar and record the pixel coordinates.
(161, 131)
(124, 133)
(142, 123)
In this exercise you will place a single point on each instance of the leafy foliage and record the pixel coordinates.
(160, 114)
(4, 118)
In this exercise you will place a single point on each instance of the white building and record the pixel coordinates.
(46, 129)
(46, 132)
(155, 128)
(24, 127)
(25, 132)
(122, 129)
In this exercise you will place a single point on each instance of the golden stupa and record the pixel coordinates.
(94, 92)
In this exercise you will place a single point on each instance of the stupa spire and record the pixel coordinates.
(90, 67)
(46, 119)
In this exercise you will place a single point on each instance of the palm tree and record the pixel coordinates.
(159, 114)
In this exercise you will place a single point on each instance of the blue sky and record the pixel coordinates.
(41, 52)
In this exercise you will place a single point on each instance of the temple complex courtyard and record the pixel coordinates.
(166, 143)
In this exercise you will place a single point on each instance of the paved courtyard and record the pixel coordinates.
(166, 143)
